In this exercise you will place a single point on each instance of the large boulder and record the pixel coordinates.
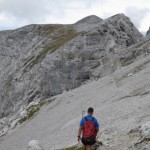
(145, 129)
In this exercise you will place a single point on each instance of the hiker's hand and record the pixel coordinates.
(79, 138)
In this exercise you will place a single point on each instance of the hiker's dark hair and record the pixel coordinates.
(90, 110)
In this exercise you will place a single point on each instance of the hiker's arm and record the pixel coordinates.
(96, 126)
(96, 130)
(80, 131)
(80, 127)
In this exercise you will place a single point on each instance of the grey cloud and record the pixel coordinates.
(136, 14)
(30, 10)
(89, 3)
(35, 11)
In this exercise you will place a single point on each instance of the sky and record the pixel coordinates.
(18, 13)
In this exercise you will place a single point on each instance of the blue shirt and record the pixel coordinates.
(89, 117)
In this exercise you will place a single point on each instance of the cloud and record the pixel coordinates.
(29, 10)
(136, 14)
(17, 13)
(38, 10)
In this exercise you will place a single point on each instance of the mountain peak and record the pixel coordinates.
(118, 17)
(90, 19)
(125, 25)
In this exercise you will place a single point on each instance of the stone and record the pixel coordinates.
(34, 145)
(145, 129)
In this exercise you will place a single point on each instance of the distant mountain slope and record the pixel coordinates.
(39, 61)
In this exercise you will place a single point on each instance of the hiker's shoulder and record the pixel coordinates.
(95, 119)
(83, 119)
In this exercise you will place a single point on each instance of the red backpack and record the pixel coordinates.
(89, 129)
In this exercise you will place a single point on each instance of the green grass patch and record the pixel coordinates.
(35, 108)
(62, 36)
(46, 30)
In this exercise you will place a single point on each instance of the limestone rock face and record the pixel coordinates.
(121, 26)
(40, 61)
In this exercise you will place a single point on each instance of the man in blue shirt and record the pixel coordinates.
(89, 128)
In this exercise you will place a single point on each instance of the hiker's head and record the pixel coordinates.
(90, 111)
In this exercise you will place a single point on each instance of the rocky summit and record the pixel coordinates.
(42, 64)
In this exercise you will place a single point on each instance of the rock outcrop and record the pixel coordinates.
(140, 137)
(123, 30)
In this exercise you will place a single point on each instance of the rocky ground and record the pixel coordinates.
(121, 103)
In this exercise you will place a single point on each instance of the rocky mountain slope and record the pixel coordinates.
(41, 61)
(121, 103)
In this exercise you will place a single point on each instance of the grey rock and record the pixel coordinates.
(40, 61)
(87, 23)
(34, 145)
(90, 19)
(145, 129)
(140, 137)
(124, 28)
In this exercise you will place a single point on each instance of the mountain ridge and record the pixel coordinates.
(34, 45)
(90, 19)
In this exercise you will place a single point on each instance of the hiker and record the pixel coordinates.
(89, 128)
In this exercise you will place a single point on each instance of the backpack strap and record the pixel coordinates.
(88, 120)
(93, 119)
(85, 119)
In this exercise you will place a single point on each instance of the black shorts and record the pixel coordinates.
(88, 142)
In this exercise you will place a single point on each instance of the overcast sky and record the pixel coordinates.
(17, 13)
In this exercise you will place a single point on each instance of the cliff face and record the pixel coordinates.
(39, 61)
